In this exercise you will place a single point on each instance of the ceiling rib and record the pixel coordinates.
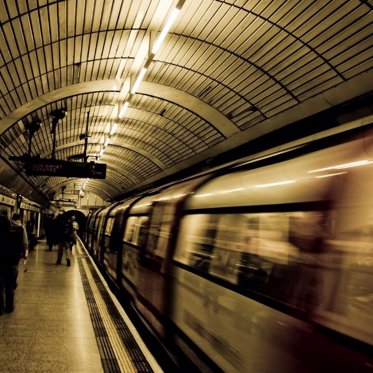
(228, 72)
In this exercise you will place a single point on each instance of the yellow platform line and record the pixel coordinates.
(149, 357)
(124, 360)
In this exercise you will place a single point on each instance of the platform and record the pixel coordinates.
(66, 320)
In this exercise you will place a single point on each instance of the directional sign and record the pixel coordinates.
(54, 167)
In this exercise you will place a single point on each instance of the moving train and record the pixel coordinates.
(264, 265)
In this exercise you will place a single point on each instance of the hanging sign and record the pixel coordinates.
(54, 167)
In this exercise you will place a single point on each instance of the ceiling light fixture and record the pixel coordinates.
(113, 129)
(167, 26)
(140, 76)
(138, 80)
(85, 183)
(123, 109)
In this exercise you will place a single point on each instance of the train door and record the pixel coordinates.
(154, 265)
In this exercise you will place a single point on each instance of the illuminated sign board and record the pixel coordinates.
(54, 167)
(7, 200)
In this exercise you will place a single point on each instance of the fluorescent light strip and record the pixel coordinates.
(329, 175)
(342, 166)
(275, 184)
(353, 164)
(231, 190)
(123, 109)
(85, 183)
(138, 80)
(117, 84)
(204, 195)
(113, 129)
(165, 30)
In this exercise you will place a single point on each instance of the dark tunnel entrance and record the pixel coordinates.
(80, 218)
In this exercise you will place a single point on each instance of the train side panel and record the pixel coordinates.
(112, 243)
(260, 265)
(264, 262)
(148, 242)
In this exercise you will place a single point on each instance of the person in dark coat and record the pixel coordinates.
(30, 234)
(64, 234)
(49, 231)
(14, 245)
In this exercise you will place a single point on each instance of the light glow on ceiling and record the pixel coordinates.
(123, 109)
(138, 80)
(165, 30)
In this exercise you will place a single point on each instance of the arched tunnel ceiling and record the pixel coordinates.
(227, 73)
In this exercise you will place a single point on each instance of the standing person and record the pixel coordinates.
(75, 228)
(30, 234)
(49, 231)
(14, 246)
(4, 243)
(64, 237)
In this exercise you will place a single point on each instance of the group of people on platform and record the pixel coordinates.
(63, 232)
(15, 243)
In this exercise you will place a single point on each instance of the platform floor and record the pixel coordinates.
(66, 320)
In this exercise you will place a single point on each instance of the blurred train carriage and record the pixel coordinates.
(262, 266)
(91, 230)
(110, 240)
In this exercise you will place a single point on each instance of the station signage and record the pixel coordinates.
(7, 200)
(27, 206)
(54, 167)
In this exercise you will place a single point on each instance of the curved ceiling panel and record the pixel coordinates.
(226, 73)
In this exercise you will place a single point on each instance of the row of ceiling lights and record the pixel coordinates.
(153, 50)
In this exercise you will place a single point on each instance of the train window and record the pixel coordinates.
(109, 225)
(230, 230)
(306, 229)
(267, 256)
(97, 227)
(136, 230)
(142, 231)
(160, 230)
(196, 244)
(261, 252)
(130, 227)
